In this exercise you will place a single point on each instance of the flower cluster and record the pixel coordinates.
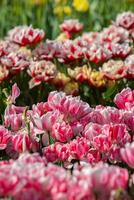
(95, 58)
(47, 181)
(90, 142)
(94, 48)
(14, 56)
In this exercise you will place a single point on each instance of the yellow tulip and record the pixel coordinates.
(67, 10)
(61, 79)
(58, 10)
(62, 37)
(81, 5)
(71, 87)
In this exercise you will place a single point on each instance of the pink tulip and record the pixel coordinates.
(113, 34)
(24, 35)
(71, 26)
(125, 99)
(5, 137)
(127, 154)
(41, 71)
(105, 179)
(15, 93)
(92, 130)
(62, 132)
(22, 142)
(126, 20)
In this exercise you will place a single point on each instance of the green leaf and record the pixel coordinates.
(110, 92)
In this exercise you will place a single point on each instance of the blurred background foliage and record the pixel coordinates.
(47, 14)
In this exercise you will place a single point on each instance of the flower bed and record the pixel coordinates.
(95, 65)
(65, 146)
(93, 148)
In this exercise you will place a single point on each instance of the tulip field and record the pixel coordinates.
(67, 108)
